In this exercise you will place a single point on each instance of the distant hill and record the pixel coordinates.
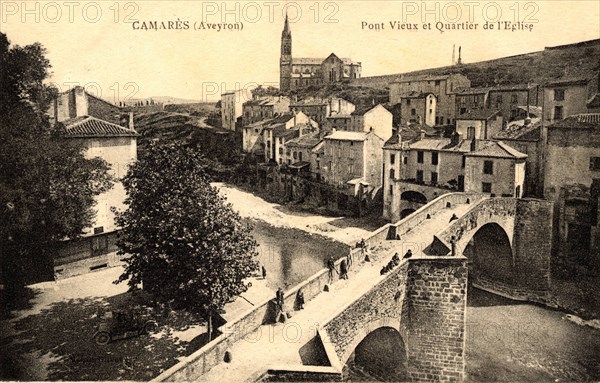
(560, 62)
(164, 100)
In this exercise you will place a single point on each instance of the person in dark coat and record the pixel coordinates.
(343, 269)
(396, 259)
(453, 218)
(408, 254)
(264, 272)
(279, 301)
(300, 299)
(331, 268)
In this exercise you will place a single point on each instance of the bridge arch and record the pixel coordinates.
(413, 196)
(379, 346)
(406, 212)
(490, 254)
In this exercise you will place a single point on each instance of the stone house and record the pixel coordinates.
(351, 159)
(567, 97)
(481, 124)
(321, 109)
(232, 109)
(274, 134)
(373, 118)
(116, 144)
(442, 86)
(418, 108)
(261, 108)
(417, 172)
(572, 182)
(510, 100)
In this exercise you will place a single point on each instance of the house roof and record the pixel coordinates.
(478, 114)
(318, 149)
(441, 144)
(578, 121)
(594, 101)
(497, 88)
(569, 81)
(88, 126)
(416, 95)
(265, 101)
(299, 165)
(305, 141)
(281, 131)
(342, 135)
(518, 130)
(496, 149)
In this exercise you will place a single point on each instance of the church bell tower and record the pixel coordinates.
(285, 60)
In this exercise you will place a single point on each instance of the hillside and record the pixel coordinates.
(565, 61)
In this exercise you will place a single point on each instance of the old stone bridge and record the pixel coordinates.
(418, 309)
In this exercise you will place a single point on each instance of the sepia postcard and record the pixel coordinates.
(283, 191)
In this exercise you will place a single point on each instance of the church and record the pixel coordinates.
(299, 72)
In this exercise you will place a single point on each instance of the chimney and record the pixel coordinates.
(527, 121)
(131, 121)
(474, 145)
(454, 138)
(453, 54)
(459, 56)
(422, 135)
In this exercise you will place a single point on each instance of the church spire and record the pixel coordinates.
(286, 28)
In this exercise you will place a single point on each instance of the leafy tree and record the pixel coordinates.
(185, 243)
(47, 186)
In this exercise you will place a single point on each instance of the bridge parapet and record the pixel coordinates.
(402, 227)
(501, 210)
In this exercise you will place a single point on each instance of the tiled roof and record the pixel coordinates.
(318, 149)
(569, 81)
(517, 130)
(87, 126)
(579, 121)
(441, 144)
(305, 141)
(498, 88)
(496, 149)
(478, 114)
(318, 61)
(347, 136)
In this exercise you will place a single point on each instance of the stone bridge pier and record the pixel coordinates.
(507, 243)
(422, 308)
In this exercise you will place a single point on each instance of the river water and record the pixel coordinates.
(291, 256)
(506, 341)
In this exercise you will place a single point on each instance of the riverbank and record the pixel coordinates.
(347, 230)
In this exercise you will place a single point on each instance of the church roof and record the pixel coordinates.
(319, 61)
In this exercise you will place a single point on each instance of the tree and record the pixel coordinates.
(186, 245)
(47, 185)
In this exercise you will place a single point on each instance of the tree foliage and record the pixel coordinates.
(47, 186)
(185, 243)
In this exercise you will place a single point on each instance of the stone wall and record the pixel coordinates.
(380, 307)
(434, 318)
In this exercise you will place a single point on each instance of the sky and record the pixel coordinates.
(111, 48)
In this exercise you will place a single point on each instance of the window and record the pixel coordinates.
(420, 157)
(486, 187)
(392, 174)
(299, 156)
(595, 163)
(419, 176)
(391, 189)
(99, 243)
(437, 82)
(99, 230)
(558, 112)
(518, 191)
(405, 160)
(559, 94)
(488, 167)
(464, 162)
(470, 132)
(514, 98)
(434, 158)
(280, 151)
(434, 178)
(392, 158)
(413, 112)
(408, 102)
